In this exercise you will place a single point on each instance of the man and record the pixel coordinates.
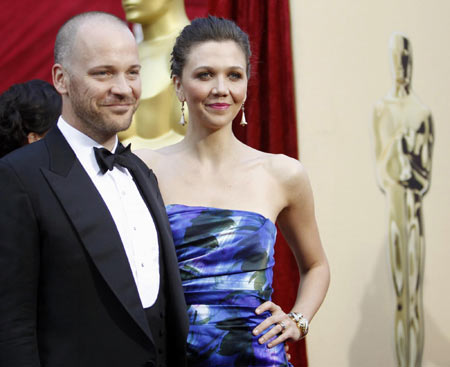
(88, 272)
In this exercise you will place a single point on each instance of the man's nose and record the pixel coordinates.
(121, 85)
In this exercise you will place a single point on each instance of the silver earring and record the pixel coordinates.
(243, 120)
(182, 119)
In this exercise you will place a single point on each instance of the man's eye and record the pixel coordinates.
(134, 73)
(102, 73)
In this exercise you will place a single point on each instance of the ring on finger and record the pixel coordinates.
(283, 326)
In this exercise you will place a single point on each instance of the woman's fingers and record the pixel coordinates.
(277, 329)
(266, 306)
(277, 315)
(283, 327)
(280, 339)
(289, 332)
(286, 350)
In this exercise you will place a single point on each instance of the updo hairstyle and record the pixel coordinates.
(204, 30)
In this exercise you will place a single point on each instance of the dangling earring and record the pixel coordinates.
(243, 120)
(182, 119)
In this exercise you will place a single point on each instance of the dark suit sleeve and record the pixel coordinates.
(19, 272)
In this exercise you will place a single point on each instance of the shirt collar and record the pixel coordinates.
(82, 145)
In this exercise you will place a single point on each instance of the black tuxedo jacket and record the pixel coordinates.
(67, 294)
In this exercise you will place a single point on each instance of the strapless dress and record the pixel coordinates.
(225, 259)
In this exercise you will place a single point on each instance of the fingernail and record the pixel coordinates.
(255, 332)
(269, 345)
(257, 311)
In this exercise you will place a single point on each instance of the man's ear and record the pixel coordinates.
(60, 81)
(32, 137)
(178, 87)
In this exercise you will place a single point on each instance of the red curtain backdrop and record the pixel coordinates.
(196, 8)
(270, 112)
(28, 29)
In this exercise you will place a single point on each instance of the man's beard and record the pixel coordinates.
(96, 123)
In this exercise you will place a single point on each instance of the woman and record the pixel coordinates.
(27, 112)
(223, 200)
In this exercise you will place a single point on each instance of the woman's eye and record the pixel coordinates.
(235, 76)
(204, 75)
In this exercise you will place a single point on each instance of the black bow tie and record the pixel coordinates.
(106, 160)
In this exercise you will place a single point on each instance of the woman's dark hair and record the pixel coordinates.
(33, 106)
(203, 30)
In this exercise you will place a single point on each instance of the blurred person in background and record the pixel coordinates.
(27, 111)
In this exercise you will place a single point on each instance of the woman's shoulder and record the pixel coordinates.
(286, 170)
(155, 157)
(149, 156)
(288, 173)
(292, 179)
(289, 176)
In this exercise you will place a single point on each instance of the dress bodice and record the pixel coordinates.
(226, 259)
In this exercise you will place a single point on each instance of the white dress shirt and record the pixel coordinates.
(128, 210)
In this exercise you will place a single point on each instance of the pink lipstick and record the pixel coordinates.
(219, 106)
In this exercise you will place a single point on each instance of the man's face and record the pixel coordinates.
(104, 84)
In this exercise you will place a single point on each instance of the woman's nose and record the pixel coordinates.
(221, 87)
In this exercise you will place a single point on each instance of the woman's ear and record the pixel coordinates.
(178, 87)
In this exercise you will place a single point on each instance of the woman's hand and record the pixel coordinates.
(289, 332)
(286, 349)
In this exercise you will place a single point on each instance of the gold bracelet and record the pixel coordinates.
(301, 322)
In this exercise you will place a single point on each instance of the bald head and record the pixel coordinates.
(67, 34)
(97, 72)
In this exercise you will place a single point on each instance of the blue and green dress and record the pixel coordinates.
(226, 259)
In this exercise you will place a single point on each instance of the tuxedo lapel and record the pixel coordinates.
(148, 187)
(178, 323)
(149, 194)
(91, 219)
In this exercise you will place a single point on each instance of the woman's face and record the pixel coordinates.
(214, 82)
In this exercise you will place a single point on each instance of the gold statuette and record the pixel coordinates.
(403, 134)
(155, 123)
